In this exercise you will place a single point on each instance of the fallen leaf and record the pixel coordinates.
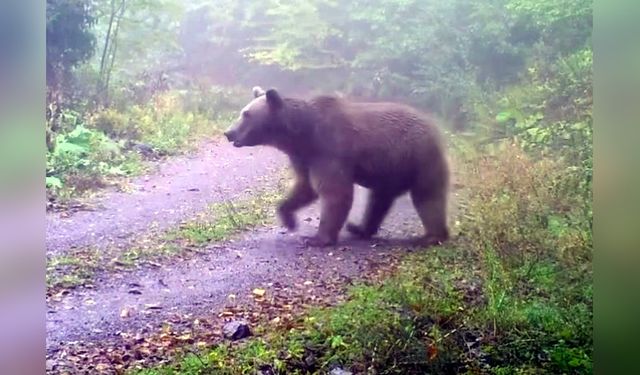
(125, 313)
(102, 367)
(432, 351)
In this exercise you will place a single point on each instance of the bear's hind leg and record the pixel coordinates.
(378, 205)
(432, 209)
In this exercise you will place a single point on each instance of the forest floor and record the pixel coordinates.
(149, 309)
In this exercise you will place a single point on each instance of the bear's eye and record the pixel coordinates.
(246, 114)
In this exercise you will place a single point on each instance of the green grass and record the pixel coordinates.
(440, 313)
(225, 219)
(71, 270)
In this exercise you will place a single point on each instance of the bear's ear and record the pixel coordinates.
(273, 99)
(257, 91)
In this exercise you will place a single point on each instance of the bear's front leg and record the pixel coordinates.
(336, 194)
(302, 194)
(333, 215)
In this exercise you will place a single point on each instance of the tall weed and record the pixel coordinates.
(526, 210)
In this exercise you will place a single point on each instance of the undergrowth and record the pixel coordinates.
(94, 148)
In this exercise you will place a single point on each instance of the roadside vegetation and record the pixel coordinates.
(94, 148)
(511, 294)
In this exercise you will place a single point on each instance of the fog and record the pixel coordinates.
(443, 56)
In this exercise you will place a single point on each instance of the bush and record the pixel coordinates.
(90, 149)
(114, 124)
(526, 210)
(215, 102)
(170, 121)
(83, 159)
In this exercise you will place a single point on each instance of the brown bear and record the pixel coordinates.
(333, 143)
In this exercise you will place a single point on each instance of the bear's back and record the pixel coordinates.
(381, 139)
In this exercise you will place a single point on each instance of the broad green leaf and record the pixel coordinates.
(53, 182)
(504, 116)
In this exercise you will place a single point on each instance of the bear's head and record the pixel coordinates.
(259, 121)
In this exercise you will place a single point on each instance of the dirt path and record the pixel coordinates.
(201, 285)
(180, 188)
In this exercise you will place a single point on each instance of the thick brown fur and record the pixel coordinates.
(333, 144)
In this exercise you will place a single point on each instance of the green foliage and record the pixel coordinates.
(93, 148)
(544, 197)
(114, 124)
(83, 158)
(550, 113)
(572, 20)
(70, 40)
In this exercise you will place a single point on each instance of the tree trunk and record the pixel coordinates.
(114, 48)
(105, 50)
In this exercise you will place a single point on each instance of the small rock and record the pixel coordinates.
(310, 360)
(145, 150)
(236, 330)
(340, 371)
(266, 370)
(49, 364)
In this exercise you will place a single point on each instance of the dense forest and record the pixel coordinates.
(159, 72)
(132, 82)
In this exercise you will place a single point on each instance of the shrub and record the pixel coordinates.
(90, 149)
(525, 209)
(215, 102)
(114, 124)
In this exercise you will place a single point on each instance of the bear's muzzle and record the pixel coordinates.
(232, 136)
